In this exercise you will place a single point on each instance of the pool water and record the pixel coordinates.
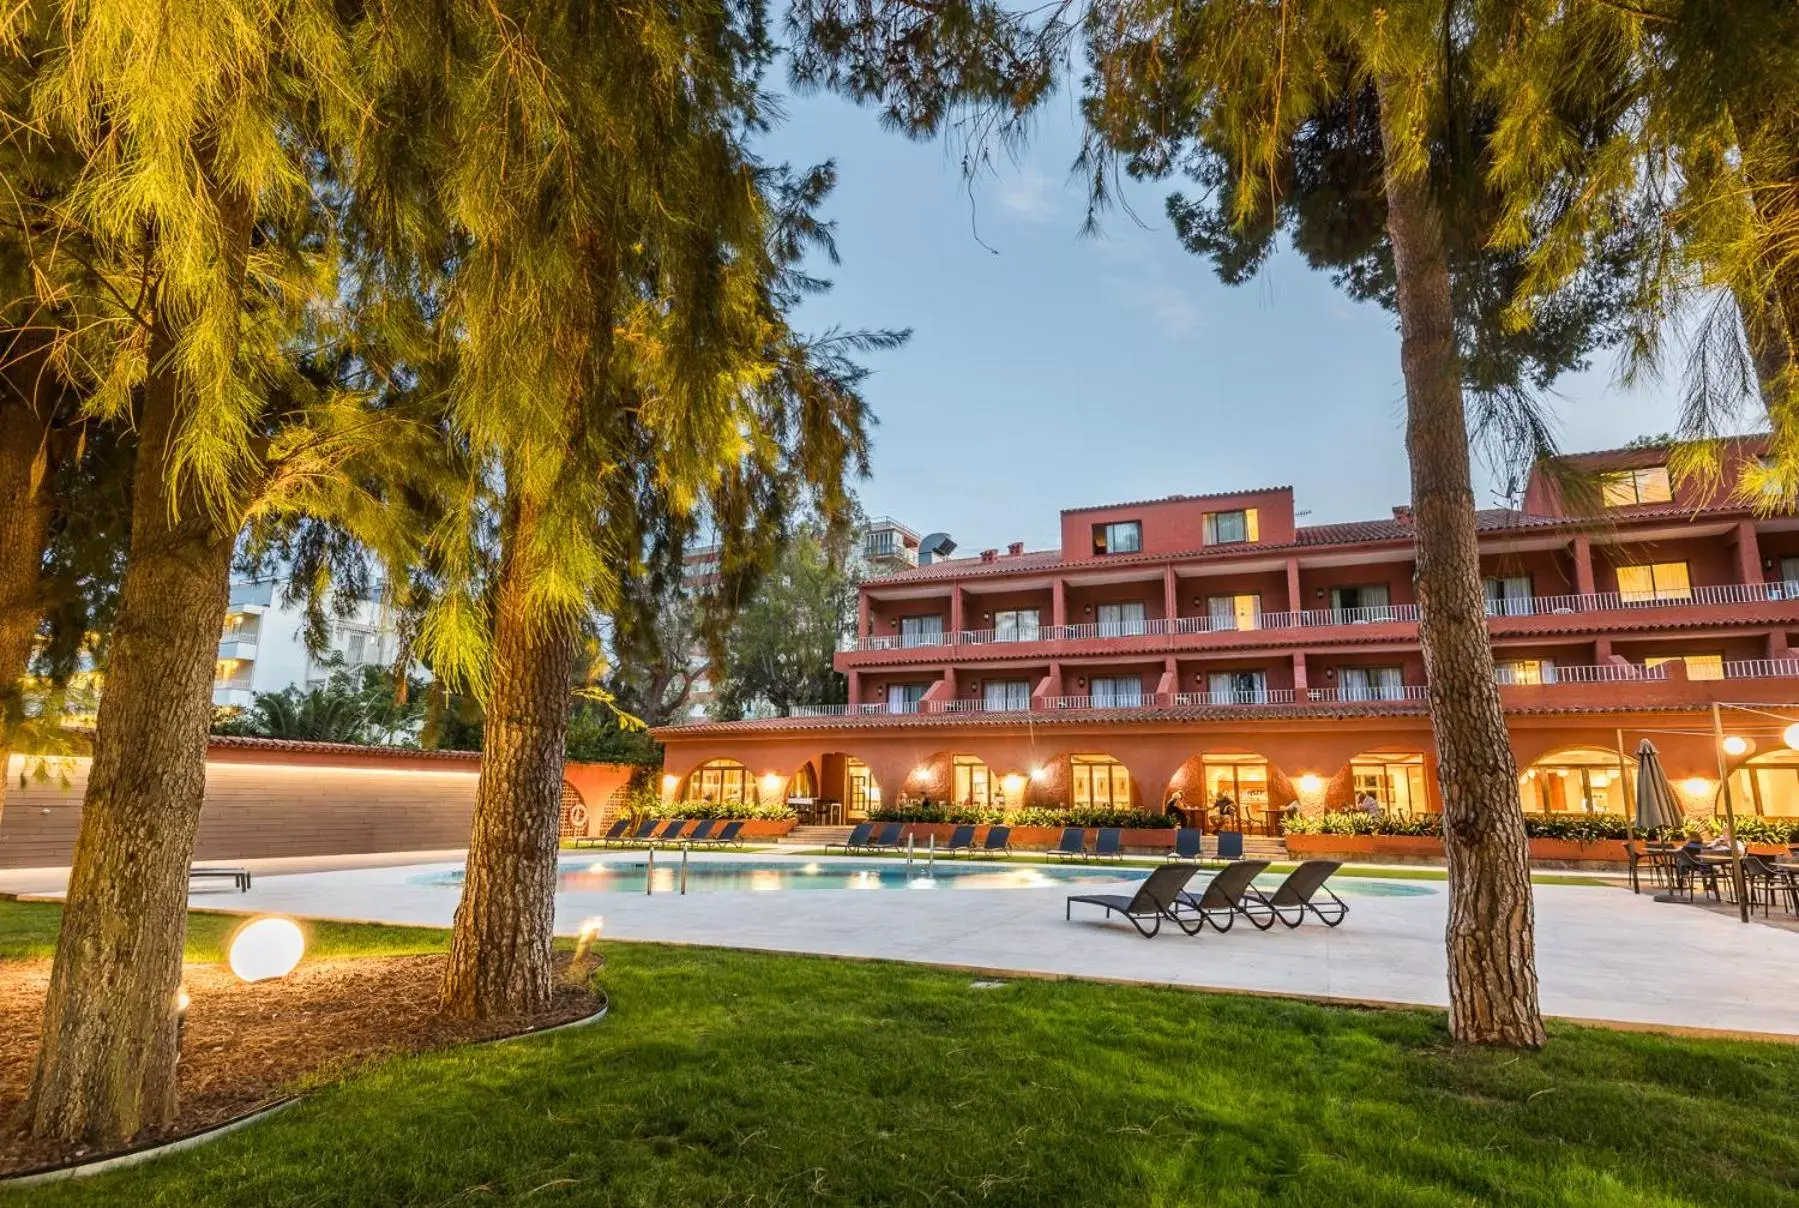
(586, 875)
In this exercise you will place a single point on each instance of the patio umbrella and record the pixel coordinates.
(1657, 807)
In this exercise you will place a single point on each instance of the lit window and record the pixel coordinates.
(1525, 671)
(973, 782)
(1654, 581)
(1699, 666)
(1099, 780)
(1235, 612)
(1631, 487)
(1225, 528)
(1123, 537)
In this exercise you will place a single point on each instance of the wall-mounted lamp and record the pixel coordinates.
(1088, 609)
(1330, 673)
(1039, 773)
(1080, 683)
(1321, 593)
(1310, 783)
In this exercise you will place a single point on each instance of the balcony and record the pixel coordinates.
(1179, 634)
(240, 646)
(253, 595)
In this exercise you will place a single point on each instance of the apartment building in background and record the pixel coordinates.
(1209, 645)
(263, 648)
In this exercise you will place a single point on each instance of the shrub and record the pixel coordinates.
(714, 809)
(1778, 832)
(960, 815)
(1090, 815)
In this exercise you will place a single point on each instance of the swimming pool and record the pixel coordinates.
(587, 875)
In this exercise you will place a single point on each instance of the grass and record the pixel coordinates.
(737, 1078)
(28, 932)
(1386, 872)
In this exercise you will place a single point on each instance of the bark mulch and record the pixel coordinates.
(249, 1045)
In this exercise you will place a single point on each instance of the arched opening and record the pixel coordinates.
(574, 820)
(1583, 780)
(1394, 781)
(804, 783)
(1768, 785)
(1233, 790)
(721, 782)
(971, 782)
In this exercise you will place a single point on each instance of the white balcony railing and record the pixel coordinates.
(1254, 696)
(1369, 695)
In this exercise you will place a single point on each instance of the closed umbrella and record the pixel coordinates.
(1657, 807)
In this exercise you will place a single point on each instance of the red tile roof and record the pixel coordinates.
(302, 747)
(1142, 503)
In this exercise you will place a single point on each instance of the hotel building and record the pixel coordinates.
(1210, 645)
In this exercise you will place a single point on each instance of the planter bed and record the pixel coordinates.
(1599, 854)
(247, 1046)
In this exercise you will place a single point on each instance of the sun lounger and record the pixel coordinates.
(729, 836)
(891, 837)
(613, 832)
(999, 839)
(1074, 843)
(1186, 845)
(961, 839)
(858, 839)
(239, 877)
(1158, 897)
(1230, 846)
(702, 832)
(1303, 884)
(671, 832)
(1110, 843)
(1231, 893)
(643, 834)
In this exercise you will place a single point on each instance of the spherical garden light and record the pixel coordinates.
(266, 948)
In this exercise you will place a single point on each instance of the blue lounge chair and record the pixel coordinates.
(1158, 897)
(1230, 845)
(858, 838)
(999, 839)
(1110, 843)
(892, 837)
(643, 834)
(702, 831)
(961, 839)
(671, 832)
(1074, 843)
(614, 832)
(724, 836)
(1186, 845)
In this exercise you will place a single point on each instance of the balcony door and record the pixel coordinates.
(1357, 605)
(1237, 688)
(1117, 691)
(1121, 620)
(1235, 612)
(1509, 596)
(1016, 625)
(904, 698)
(1006, 694)
(1372, 683)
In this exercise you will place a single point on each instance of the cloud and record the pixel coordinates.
(1139, 277)
(1028, 195)
(1174, 312)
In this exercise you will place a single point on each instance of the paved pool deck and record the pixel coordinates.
(1604, 954)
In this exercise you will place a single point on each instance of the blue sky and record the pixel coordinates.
(1057, 371)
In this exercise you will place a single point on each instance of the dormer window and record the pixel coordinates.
(1227, 528)
(1631, 487)
(1121, 537)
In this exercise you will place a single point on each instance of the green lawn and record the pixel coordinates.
(734, 1078)
(28, 932)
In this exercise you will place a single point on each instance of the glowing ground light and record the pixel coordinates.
(266, 948)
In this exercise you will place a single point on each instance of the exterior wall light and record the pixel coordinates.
(921, 772)
(771, 783)
(1696, 786)
(1791, 736)
(1039, 774)
(1310, 783)
(266, 948)
(1736, 746)
(670, 782)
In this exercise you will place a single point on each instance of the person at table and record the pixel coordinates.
(1225, 809)
(1175, 809)
(1369, 804)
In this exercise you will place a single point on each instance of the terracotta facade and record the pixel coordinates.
(1172, 634)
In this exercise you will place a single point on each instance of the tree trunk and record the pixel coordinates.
(24, 529)
(1491, 931)
(500, 952)
(106, 1069)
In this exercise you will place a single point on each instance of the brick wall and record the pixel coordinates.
(257, 807)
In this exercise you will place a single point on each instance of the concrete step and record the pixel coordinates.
(816, 836)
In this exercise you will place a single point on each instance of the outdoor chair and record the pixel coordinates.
(1230, 846)
(671, 832)
(1110, 843)
(1296, 894)
(730, 836)
(642, 834)
(1074, 843)
(858, 838)
(1186, 845)
(961, 839)
(1230, 893)
(999, 839)
(1689, 869)
(892, 837)
(615, 831)
(703, 831)
(1158, 897)
(1765, 882)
